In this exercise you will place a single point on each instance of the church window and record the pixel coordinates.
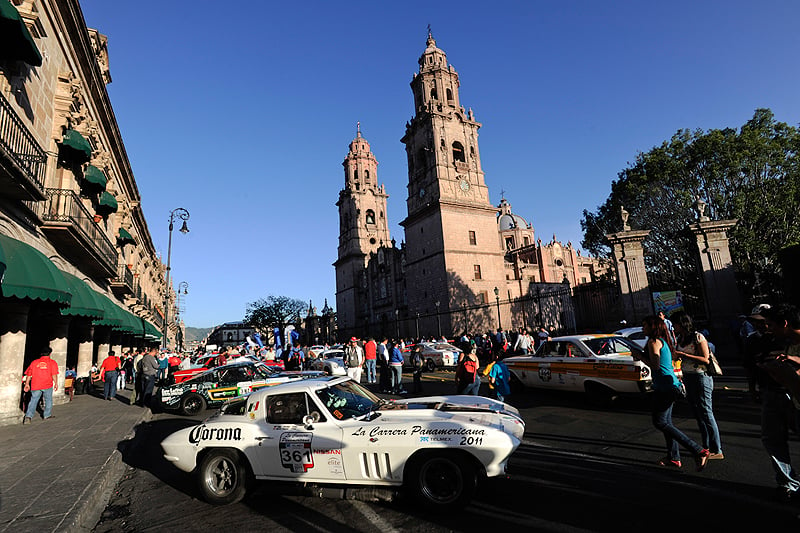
(372, 240)
(509, 243)
(449, 94)
(477, 270)
(366, 176)
(442, 143)
(370, 216)
(583, 279)
(472, 152)
(559, 262)
(458, 152)
(527, 241)
(358, 186)
(355, 175)
(472, 239)
(434, 94)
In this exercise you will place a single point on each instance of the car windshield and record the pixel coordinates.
(443, 346)
(612, 345)
(333, 355)
(347, 400)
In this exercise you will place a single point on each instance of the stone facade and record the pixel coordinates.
(462, 255)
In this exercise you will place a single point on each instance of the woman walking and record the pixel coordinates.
(666, 386)
(692, 348)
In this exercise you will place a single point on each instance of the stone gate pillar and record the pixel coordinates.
(634, 288)
(13, 333)
(85, 338)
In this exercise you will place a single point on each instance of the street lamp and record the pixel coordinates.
(497, 297)
(183, 214)
(416, 322)
(183, 287)
(397, 322)
(437, 303)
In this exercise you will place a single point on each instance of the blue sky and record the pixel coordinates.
(242, 112)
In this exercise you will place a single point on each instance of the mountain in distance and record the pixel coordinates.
(196, 334)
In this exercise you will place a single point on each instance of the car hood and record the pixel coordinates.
(460, 403)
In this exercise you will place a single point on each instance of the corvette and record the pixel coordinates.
(334, 431)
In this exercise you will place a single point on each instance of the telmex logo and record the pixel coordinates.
(204, 433)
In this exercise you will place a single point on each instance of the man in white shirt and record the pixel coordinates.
(354, 359)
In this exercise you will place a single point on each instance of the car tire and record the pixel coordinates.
(443, 480)
(222, 478)
(600, 395)
(192, 403)
(430, 366)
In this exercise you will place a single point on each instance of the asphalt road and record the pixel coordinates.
(580, 468)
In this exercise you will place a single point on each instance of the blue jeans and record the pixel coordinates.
(369, 365)
(699, 388)
(397, 377)
(48, 402)
(110, 384)
(473, 387)
(777, 416)
(663, 401)
(148, 383)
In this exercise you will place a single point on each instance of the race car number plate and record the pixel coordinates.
(295, 450)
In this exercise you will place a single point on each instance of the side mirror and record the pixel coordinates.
(310, 419)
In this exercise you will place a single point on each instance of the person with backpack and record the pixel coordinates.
(354, 359)
(499, 379)
(468, 380)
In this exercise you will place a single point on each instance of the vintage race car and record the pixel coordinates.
(602, 366)
(334, 431)
(214, 387)
(435, 354)
(331, 362)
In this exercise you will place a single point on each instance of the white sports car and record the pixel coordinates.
(334, 431)
(331, 362)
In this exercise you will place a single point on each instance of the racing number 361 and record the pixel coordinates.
(296, 456)
(471, 441)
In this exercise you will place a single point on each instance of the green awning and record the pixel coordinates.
(85, 301)
(76, 146)
(30, 274)
(16, 42)
(96, 178)
(133, 323)
(112, 315)
(107, 203)
(125, 238)
(151, 332)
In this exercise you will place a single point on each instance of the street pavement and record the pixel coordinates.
(58, 474)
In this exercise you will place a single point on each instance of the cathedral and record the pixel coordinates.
(465, 264)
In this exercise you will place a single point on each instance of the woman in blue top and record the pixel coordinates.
(658, 355)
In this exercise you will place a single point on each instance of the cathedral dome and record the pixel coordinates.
(511, 221)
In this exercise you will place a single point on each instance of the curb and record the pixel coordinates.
(89, 506)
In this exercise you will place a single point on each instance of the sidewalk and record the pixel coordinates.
(58, 474)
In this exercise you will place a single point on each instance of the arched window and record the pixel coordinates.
(355, 175)
(449, 95)
(370, 216)
(434, 95)
(366, 175)
(458, 152)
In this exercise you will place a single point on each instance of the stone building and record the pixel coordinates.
(80, 271)
(461, 253)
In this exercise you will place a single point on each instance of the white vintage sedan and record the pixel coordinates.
(334, 431)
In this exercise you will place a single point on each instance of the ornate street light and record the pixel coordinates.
(437, 303)
(397, 321)
(416, 322)
(182, 214)
(183, 287)
(497, 297)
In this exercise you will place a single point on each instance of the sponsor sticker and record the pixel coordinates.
(295, 451)
(202, 432)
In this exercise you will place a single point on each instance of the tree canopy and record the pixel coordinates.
(752, 175)
(267, 313)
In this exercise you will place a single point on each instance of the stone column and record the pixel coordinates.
(102, 339)
(59, 338)
(85, 338)
(13, 334)
(715, 268)
(631, 274)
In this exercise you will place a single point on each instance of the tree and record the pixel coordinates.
(274, 311)
(752, 175)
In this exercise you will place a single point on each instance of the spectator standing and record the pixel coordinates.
(370, 358)
(109, 372)
(524, 342)
(383, 361)
(396, 365)
(70, 376)
(149, 373)
(418, 363)
(468, 380)
(542, 336)
(499, 379)
(354, 359)
(137, 377)
(163, 367)
(41, 379)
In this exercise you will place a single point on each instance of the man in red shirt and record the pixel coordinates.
(41, 378)
(370, 357)
(109, 372)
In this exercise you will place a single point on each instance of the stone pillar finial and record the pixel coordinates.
(624, 214)
(700, 205)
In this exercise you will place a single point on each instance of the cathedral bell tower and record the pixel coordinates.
(453, 253)
(363, 229)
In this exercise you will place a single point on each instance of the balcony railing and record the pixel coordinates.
(18, 145)
(64, 208)
(123, 283)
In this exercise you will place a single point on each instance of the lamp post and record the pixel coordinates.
(437, 303)
(182, 214)
(497, 297)
(397, 321)
(466, 323)
(416, 322)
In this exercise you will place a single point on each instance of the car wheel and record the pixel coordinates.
(516, 385)
(192, 403)
(222, 478)
(430, 366)
(600, 395)
(443, 480)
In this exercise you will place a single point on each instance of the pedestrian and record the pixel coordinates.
(109, 372)
(779, 360)
(137, 378)
(149, 373)
(70, 376)
(666, 388)
(468, 380)
(41, 379)
(383, 360)
(499, 379)
(163, 368)
(524, 343)
(418, 363)
(396, 366)
(370, 358)
(692, 347)
(670, 327)
(354, 359)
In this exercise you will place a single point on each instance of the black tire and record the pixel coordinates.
(443, 480)
(600, 395)
(192, 403)
(222, 478)
(430, 366)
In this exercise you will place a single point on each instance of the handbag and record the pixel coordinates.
(713, 368)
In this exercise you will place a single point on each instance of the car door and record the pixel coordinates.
(290, 450)
(567, 363)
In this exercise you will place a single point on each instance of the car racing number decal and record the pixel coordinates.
(295, 450)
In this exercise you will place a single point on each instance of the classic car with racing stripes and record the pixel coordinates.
(215, 386)
(333, 431)
(600, 365)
